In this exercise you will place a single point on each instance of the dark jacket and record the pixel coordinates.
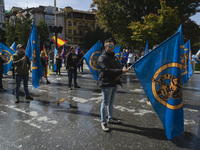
(1, 64)
(21, 67)
(72, 60)
(109, 69)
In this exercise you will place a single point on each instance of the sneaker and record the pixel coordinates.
(70, 88)
(77, 86)
(114, 121)
(48, 82)
(17, 100)
(148, 102)
(104, 126)
(29, 97)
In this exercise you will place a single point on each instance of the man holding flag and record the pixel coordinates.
(110, 71)
(22, 66)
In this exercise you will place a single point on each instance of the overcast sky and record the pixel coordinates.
(75, 4)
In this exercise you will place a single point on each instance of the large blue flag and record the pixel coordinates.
(196, 57)
(160, 74)
(124, 59)
(187, 51)
(146, 51)
(13, 47)
(33, 53)
(55, 55)
(117, 51)
(7, 52)
(91, 58)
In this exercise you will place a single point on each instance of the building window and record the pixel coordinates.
(69, 15)
(75, 40)
(80, 24)
(69, 23)
(74, 23)
(91, 25)
(80, 32)
(69, 31)
(75, 32)
(86, 25)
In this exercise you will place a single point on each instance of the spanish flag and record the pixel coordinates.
(60, 41)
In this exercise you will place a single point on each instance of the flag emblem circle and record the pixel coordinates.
(173, 89)
(93, 60)
(8, 57)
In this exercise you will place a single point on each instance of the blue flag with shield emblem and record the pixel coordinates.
(55, 55)
(196, 57)
(146, 51)
(13, 47)
(160, 74)
(187, 50)
(91, 58)
(117, 52)
(7, 53)
(33, 53)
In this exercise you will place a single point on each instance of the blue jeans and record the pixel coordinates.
(25, 79)
(108, 95)
(71, 73)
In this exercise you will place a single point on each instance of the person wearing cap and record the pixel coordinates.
(22, 66)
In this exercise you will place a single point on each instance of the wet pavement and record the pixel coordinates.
(74, 124)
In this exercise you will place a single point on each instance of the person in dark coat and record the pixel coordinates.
(110, 72)
(2, 60)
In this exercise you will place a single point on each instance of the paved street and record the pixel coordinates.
(41, 124)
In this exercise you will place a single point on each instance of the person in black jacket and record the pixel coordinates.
(110, 72)
(72, 61)
(2, 60)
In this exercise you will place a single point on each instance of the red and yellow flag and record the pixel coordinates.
(60, 41)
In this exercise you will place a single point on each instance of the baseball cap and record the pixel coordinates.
(20, 46)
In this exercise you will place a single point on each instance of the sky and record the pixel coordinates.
(75, 4)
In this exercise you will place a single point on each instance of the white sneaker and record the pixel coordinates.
(104, 126)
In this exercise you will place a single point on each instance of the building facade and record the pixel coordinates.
(2, 15)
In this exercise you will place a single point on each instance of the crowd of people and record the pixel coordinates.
(110, 72)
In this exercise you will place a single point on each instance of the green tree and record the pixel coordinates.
(22, 30)
(156, 27)
(10, 37)
(92, 37)
(43, 33)
(2, 36)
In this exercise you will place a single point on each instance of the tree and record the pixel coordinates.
(9, 34)
(2, 36)
(116, 15)
(22, 30)
(43, 33)
(156, 27)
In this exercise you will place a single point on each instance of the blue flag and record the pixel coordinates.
(160, 74)
(196, 57)
(146, 51)
(55, 55)
(124, 59)
(33, 53)
(13, 47)
(187, 51)
(91, 58)
(117, 51)
(7, 53)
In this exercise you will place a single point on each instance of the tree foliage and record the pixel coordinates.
(156, 27)
(116, 15)
(9, 36)
(43, 33)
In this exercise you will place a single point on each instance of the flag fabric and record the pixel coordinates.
(13, 47)
(44, 50)
(196, 57)
(146, 51)
(91, 58)
(117, 51)
(55, 55)
(60, 42)
(33, 53)
(187, 50)
(63, 53)
(78, 50)
(124, 59)
(160, 74)
(7, 53)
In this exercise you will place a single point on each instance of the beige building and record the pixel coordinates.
(77, 23)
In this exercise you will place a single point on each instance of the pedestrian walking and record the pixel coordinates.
(2, 60)
(58, 63)
(22, 66)
(72, 61)
(110, 72)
